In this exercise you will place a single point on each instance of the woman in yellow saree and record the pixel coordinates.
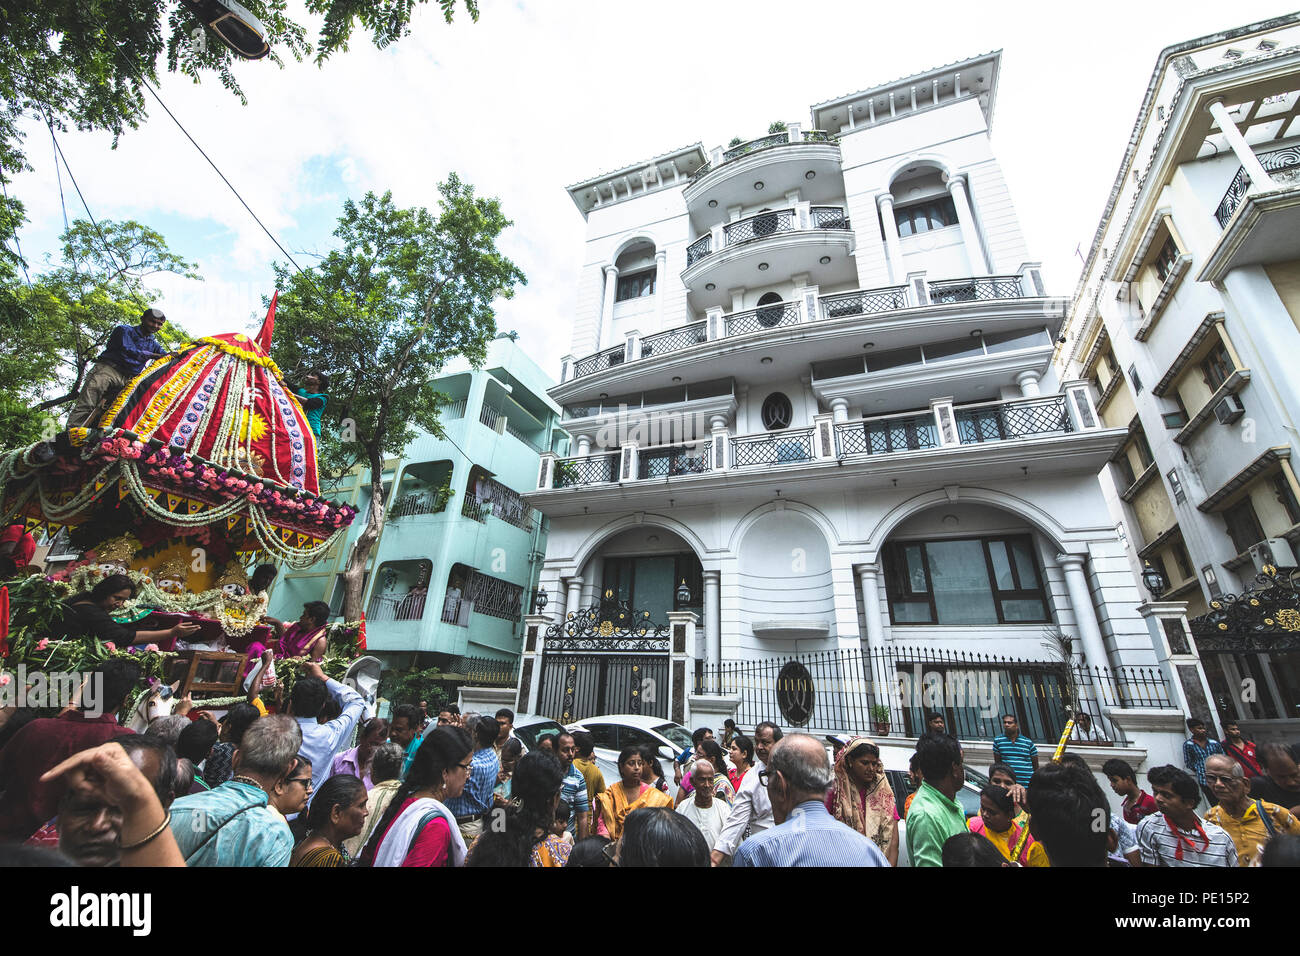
(629, 794)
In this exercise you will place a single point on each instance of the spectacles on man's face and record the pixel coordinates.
(305, 781)
(1224, 779)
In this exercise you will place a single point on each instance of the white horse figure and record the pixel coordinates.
(152, 705)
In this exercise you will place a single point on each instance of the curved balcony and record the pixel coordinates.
(814, 240)
(777, 163)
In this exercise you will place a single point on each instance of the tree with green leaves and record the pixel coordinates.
(84, 63)
(52, 330)
(404, 292)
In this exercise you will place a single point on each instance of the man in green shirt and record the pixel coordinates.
(935, 814)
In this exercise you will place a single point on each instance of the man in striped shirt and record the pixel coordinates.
(1017, 751)
(573, 788)
(797, 778)
(1176, 836)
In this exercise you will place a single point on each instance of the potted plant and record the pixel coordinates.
(880, 718)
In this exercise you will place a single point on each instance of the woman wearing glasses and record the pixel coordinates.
(629, 794)
(861, 797)
(417, 828)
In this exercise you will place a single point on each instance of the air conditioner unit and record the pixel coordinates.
(1274, 551)
(1229, 410)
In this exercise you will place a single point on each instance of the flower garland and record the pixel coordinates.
(237, 615)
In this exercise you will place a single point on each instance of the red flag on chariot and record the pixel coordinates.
(268, 326)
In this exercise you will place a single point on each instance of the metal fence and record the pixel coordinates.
(763, 142)
(674, 339)
(828, 217)
(670, 461)
(864, 302)
(485, 672)
(889, 692)
(429, 502)
(775, 448)
(764, 317)
(698, 249)
(589, 470)
(882, 436)
(976, 290)
(600, 361)
(1272, 160)
(397, 607)
(762, 226)
(1002, 420)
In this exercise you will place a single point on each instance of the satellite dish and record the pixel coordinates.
(363, 677)
(238, 29)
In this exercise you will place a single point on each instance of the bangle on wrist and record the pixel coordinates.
(167, 819)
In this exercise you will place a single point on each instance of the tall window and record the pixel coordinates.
(1217, 366)
(1243, 525)
(635, 286)
(926, 216)
(1166, 258)
(965, 581)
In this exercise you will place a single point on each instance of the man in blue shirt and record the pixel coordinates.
(232, 825)
(1196, 750)
(476, 799)
(321, 742)
(797, 778)
(130, 349)
(573, 788)
(1017, 751)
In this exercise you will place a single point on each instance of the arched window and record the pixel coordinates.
(777, 412)
(636, 272)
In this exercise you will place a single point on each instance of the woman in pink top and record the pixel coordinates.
(417, 828)
(306, 636)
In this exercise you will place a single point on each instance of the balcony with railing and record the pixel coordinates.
(1260, 221)
(941, 428)
(429, 502)
(792, 146)
(778, 315)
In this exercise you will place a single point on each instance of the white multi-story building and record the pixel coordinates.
(812, 402)
(1186, 323)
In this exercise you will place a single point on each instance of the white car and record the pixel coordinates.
(896, 758)
(614, 732)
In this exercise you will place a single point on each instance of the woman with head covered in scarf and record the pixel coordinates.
(861, 797)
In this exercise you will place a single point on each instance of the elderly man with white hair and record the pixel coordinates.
(797, 778)
(1250, 822)
(705, 810)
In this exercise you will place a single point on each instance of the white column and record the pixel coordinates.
(712, 623)
(1028, 382)
(840, 409)
(607, 308)
(1085, 615)
(584, 445)
(1259, 177)
(867, 581)
(970, 236)
(574, 600)
(893, 251)
(661, 273)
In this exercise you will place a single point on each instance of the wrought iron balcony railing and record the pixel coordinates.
(762, 226)
(698, 249)
(864, 302)
(764, 317)
(789, 447)
(673, 460)
(977, 289)
(429, 502)
(600, 361)
(1002, 421)
(582, 471)
(885, 436)
(674, 339)
(828, 217)
(763, 142)
(1271, 161)
(754, 145)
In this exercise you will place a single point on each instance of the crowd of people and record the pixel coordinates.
(325, 784)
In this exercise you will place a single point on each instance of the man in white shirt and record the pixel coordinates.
(752, 807)
(705, 810)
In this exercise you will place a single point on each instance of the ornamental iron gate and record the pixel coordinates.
(604, 659)
(1249, 645)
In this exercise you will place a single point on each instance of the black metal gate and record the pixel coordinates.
(604, 659)
(578, 686)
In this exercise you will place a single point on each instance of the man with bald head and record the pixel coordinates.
(704, 809)
(797, 777)
(1250, 822)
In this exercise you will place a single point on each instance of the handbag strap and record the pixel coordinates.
(1268, 823)
(215, 830)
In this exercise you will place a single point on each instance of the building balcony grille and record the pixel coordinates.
(790, 447)
(674, 339)
(589, 470)
(1001, 422)
(698, 249)
(1273, 160)
(978, 289)
(762, 226)
(864, 302)
(828, 217)
(671, 461)
(884, 436)
(763, 142)
(764, 317)
(600, 361)
(420, 503)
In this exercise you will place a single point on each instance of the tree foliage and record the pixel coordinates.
(52, 330)
(83, 63)
(404, 292)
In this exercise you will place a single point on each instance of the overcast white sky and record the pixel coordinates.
(537, 96)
